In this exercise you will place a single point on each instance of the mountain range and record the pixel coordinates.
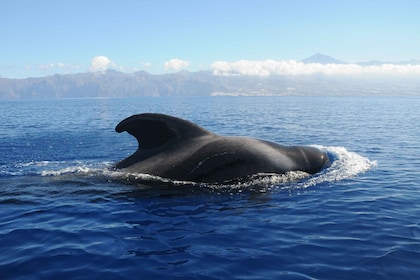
(325, 59)
(322, 59)
(113, 83)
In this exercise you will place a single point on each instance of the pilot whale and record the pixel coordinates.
(178, 149)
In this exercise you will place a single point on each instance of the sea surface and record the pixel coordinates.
(65, 215)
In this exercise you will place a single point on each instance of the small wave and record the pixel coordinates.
(33, 164)
(68, 170)
(141, 178)
(52, 168)
(344, 165)
(27, 168)
(262, 182)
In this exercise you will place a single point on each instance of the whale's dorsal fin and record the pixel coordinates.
(155, 130)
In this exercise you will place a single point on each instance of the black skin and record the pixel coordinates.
(177, 149)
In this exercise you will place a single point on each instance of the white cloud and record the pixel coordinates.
(100, 63)
(46, 66)
(176, 64)
(292, 67)
(147, 64)
(53, 67)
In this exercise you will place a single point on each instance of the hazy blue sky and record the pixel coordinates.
(44, 37)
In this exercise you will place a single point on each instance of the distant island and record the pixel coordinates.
(112, 83)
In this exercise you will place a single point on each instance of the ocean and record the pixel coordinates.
(65, 215)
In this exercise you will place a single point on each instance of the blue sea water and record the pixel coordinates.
(63, 214)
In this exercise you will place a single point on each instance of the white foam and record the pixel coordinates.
(77, 167)
(66, 170)
(33, 163)
(142, 178)
(344, 165)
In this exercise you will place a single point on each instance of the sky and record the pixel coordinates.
(47, 37)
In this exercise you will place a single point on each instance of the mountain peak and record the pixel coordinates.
(322, 59)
